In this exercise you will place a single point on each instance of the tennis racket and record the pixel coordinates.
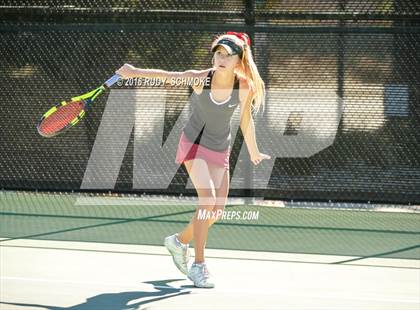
(67, 114)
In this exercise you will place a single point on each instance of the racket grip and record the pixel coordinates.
(114, 79)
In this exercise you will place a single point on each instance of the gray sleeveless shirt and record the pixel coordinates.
(209, 122)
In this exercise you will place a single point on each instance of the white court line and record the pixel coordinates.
(212, 253)
(160, 250)
(188, 201)
(215, 291)
(148, 201)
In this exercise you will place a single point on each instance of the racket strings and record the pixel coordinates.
(61, 118)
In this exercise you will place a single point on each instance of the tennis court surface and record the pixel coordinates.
(75, 251)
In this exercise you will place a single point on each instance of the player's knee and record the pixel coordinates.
(204, 213)
(220, 202)
(218, 212)
(206, 199)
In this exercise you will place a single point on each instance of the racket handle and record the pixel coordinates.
(114, 79)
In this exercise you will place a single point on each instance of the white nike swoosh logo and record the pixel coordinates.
(232, 105)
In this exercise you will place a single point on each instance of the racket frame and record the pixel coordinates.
(87, 100)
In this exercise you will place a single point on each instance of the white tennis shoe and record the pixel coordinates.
(180, 253)
(200, 275)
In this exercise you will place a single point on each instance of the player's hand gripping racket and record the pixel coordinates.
(67, 114)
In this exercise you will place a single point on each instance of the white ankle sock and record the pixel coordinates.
(179, 242)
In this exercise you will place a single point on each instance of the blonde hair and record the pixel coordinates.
(249, 71)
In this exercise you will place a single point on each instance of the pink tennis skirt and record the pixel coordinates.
(188, 150)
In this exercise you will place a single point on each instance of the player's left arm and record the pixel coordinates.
(247, 123)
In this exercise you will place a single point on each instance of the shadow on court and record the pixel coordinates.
(120, 301)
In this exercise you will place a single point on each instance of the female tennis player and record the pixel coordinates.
(204, 145)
